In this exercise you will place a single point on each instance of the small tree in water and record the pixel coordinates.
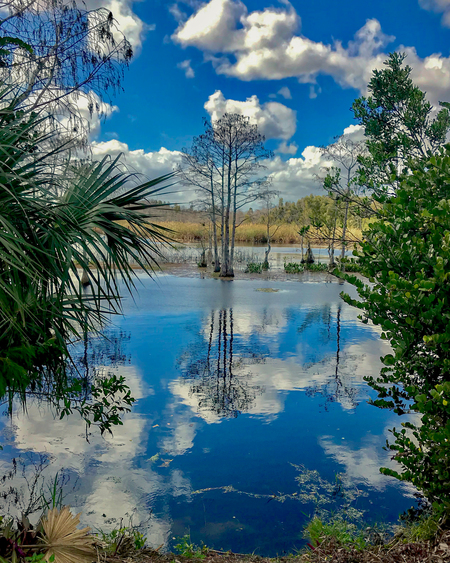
(226, 164)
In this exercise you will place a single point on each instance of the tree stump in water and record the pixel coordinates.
(309, 258)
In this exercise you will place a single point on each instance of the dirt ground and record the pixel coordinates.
(328, 552)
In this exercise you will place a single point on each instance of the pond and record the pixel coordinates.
(251, 414)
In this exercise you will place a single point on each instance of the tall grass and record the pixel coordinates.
(252, 233)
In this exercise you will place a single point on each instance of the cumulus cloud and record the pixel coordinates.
(293, 178)
(268, 45)
(440, 7)
(186, 67)
(149, 164)
(128, 22)
(265, 45)
(286, 148)
(274, 120)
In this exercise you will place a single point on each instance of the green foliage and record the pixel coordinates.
(398, 124)
(344, 533)
(406, 256)
(186, 548)
(297, 268)
(348, 264)
(54, 226)
(293, 267)
(122, 539)
(254, 268)
(423, 529)
(316, 267)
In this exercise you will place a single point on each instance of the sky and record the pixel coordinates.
(294, 68)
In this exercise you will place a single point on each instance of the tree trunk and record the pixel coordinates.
(216, 251)
(332, 263)
(309, 255)
(233, 234)
(344, 229)
(225, 270)
(267, 252)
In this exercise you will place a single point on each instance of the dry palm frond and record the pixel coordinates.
(65, 541)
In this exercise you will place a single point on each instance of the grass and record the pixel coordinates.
(188, 549)
(251, 233)
(342, 532)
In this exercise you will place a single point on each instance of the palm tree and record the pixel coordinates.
(55, 226)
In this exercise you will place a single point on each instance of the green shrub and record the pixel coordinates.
(316, 267)
(293, 268)
(405, 254)
(254, 268)
(122, 539)
(186, 548)
(348, 264)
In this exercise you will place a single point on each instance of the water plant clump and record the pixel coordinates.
(293, 268)
(187, 548)
(254, 268)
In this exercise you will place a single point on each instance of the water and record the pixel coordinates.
(237, 389)
(279, 254)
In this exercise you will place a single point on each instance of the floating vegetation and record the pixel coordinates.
(328, 498)
(267, 290)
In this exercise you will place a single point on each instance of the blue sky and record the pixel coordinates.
(293, 67)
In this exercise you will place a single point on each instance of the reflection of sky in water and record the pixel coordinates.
(233, 385)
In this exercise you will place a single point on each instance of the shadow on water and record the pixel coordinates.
(218, 373)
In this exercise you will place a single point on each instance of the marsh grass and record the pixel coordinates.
(252, 233)
(342, 532)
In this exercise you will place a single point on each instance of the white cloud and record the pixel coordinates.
(314, 91)
(274, 120)
(212, 27)
(286, 148)
(354, 132)
(285, 92)
(295, 177)
(149, 164)
(267, 45)
(186, 66)
(128, 22)
(438, 6)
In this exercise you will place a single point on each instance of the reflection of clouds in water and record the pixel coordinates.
(109, 482)
(179, 438)
(276, 376)
(362, 463)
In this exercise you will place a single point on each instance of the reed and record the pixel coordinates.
(252, 233)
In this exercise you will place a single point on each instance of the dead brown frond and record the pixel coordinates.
(65, 541)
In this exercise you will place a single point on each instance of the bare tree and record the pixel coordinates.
(202, 169)
(340, 180)
(225, 165)
(242, 150)
(56, 53)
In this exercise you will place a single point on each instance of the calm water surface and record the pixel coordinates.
(251, 412)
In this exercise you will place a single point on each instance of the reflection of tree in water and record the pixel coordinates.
(336, 389)
(216, 369)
